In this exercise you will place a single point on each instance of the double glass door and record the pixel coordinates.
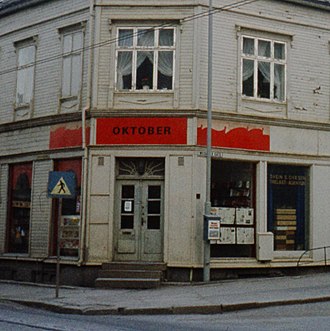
(139, 220)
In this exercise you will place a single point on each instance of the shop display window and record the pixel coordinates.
(287, 206)
(18, 229)
(233, 199)
(70, 214)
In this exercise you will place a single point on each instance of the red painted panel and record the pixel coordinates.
(241, 137)
(67, 136)
(70, 165)
(141, 130)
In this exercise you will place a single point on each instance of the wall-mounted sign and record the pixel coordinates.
(211, 227)
(141, 131)
(61, 184)
(287, 179)
(128, 206)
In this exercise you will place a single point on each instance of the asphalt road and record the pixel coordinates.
(314, 316)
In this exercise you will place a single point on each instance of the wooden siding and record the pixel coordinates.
(41, 210)
(42, 23)
(4, 171)
(24, 141)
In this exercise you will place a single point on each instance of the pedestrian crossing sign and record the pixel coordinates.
(61, 184)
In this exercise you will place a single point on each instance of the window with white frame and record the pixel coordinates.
(72, 63)
(25, 74)
(263, 69)
(145, 58)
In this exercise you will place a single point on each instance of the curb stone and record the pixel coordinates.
(174, 310)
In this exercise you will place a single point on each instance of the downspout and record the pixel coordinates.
(83, 132)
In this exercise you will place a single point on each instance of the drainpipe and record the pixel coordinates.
(83, 132)
(207, 208)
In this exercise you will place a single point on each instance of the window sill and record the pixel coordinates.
(160, 99)
(144, 91)
(15, 255)
(69, 98)
(261, 100)
(22, 106)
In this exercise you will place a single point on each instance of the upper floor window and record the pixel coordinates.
(25, 74)
(263, 69)
(145, 58)
(72, 63)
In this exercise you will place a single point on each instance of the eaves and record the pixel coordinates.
(8, 7)
(320, 4)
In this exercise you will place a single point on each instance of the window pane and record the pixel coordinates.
(127, 222)
(248, 46)
(76, 75)
(26, 55)
(20, 87)
(124, 70)
(153, 222)
(66, 91)
(248, 77)
(166, 37)
(125, 37)
(144, 76)
(127, 192)
(154, 192)
(28, 85)
(77, 41)
(279, 51)
(146, 37)
(279, 81)
(264, 48)
(24, 85)
(67, 43)
(264, 80)
(154, 207)
(165, 70)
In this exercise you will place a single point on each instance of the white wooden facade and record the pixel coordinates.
(270, 137)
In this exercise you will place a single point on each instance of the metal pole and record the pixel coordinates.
(58, 248)
(325, 258)
(206, 270)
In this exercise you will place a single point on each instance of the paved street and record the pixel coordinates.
(313, 316)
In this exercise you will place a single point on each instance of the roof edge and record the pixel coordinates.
(320, 4)
(9, 7)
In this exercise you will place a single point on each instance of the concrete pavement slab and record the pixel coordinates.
(202, 298)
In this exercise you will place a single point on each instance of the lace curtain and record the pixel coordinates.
(264, 67)
(146, 39)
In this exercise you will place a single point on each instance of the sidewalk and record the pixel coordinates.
(200, 298)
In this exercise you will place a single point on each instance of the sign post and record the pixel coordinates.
(58, 249)
(61, 185)
(207, 207)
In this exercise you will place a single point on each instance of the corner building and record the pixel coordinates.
(124, 107)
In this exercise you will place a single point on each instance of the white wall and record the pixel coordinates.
(320, 212)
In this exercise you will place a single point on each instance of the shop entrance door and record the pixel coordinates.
(139, 220)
